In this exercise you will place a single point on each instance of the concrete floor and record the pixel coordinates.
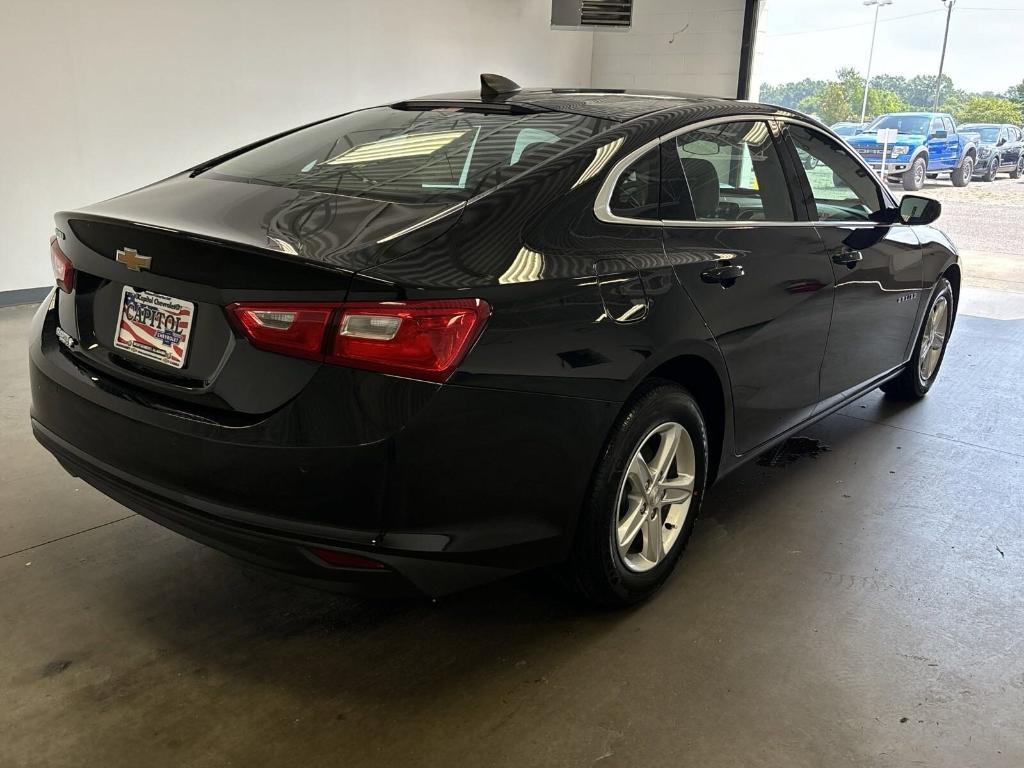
(863, 608)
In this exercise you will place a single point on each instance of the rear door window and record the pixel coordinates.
(724, 172)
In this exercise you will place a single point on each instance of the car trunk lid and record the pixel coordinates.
(193, 246)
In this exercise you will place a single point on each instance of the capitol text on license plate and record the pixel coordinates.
(154, 326)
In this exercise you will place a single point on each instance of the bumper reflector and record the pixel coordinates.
(338, 559)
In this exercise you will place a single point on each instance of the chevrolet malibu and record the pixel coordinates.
(429, 344)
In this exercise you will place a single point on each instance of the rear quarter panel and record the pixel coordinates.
(531, 249)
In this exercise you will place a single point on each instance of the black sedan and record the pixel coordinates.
(429, 344)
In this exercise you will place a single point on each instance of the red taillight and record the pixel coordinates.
(291, 329)
(419, 339)
(338, 559)
(63, 269)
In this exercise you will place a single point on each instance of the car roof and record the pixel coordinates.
(609, 104)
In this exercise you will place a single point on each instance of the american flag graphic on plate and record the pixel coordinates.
(154, 326)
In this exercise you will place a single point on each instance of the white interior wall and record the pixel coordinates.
(674, 45)
(102, 97)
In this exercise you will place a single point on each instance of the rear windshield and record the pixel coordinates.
(902, 123)
(411, 155)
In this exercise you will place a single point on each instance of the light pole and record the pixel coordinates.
(938, 81)
(871, 53)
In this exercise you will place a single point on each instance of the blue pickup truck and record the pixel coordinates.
(926, 145)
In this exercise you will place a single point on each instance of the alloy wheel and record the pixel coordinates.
(933, 339)
(919, 175)
(655, 496)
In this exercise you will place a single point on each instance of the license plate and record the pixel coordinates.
(154, 326)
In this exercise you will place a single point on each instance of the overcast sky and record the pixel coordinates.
(798, 39)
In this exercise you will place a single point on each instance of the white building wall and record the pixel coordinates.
(98, 98)
(674, 45)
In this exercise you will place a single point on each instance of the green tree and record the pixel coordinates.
(954, 102)
(895, 83)
(852, 83)
(882, 101)
(831, 104)
(920, 91)
(988, 109)
(840, 99)
(1016, 94)
(790, 94)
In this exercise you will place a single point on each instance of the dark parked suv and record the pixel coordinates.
(429, 344)
(1000, 150)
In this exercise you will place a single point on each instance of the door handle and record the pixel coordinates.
(726, 274)
(848, 257)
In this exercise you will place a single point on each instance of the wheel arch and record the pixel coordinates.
(952, 273)
(700, 378)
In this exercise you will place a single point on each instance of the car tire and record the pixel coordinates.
(993, 170)
(608, 567)
(1018, 170)
(961, 175)
(913, 177)
(920, 373)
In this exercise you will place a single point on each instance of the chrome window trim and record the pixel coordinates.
(602, 202)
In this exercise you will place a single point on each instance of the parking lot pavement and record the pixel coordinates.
(986, 222)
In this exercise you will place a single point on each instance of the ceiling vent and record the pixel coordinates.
(591, 14)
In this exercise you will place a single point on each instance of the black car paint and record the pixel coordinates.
(262, 455)
(1006, 155)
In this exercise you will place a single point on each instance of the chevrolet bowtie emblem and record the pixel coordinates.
(131, 259)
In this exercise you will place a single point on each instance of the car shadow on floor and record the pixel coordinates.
(216, 616)
(182, 648)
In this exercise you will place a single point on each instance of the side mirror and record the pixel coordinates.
(1002, 140)
(940, 134)
(919, 210)
(810, 162)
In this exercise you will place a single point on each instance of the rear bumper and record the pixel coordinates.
(479, 484)
(266, 543)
